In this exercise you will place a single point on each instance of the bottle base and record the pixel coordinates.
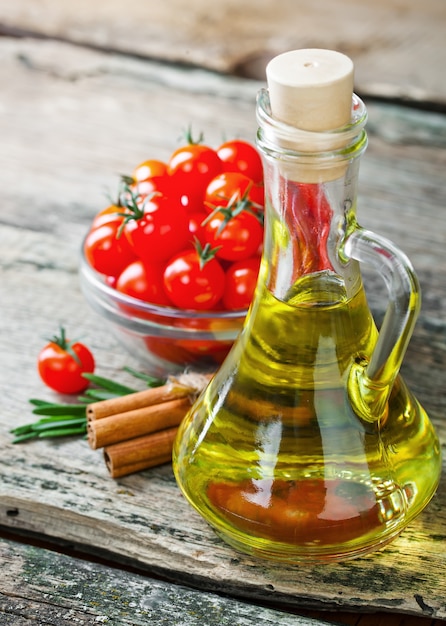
(304, 555)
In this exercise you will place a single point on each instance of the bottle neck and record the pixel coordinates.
(310, 205)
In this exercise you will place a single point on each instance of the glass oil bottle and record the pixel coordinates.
(307, 444)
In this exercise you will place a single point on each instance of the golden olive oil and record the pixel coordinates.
(273, 455)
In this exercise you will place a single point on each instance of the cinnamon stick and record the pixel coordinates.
(136, 423)
(135, 455)
(187, 384)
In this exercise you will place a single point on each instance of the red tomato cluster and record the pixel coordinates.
(186, 233)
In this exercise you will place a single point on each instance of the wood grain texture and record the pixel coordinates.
(71, 121)
(56, 590)
(397, 46)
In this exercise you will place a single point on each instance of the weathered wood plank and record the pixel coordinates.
(71, 120)
(143, 520)
(398, 47)
(58, 590)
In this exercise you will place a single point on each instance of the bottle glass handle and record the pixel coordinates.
(373, 382)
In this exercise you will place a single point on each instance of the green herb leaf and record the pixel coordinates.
(95, 395)
(38, 402)
(63, 432)
(60, 409)
(108, 384)
(150, 380)
(61, 424)
(24, 437)
(20, 430)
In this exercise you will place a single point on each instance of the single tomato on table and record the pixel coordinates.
(62, 362)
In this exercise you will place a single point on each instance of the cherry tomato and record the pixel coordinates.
(144, 282)
(193, 281)
(240, 283)
(61, 364)
(231, 188)
(196, 228)
(213, 351)
(149, 169)
(107, 252)
(167, 349)
(237, 237)
(159, 230)
(158, 185)
(111, 213)
(191, 168)
(111, 281)
(240, 156)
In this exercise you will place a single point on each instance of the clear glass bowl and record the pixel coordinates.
(165, 340)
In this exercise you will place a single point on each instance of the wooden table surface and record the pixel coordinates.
(88, 90)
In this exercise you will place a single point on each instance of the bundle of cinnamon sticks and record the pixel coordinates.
(136, 431)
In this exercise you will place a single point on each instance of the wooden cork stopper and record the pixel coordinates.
(311, 89)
